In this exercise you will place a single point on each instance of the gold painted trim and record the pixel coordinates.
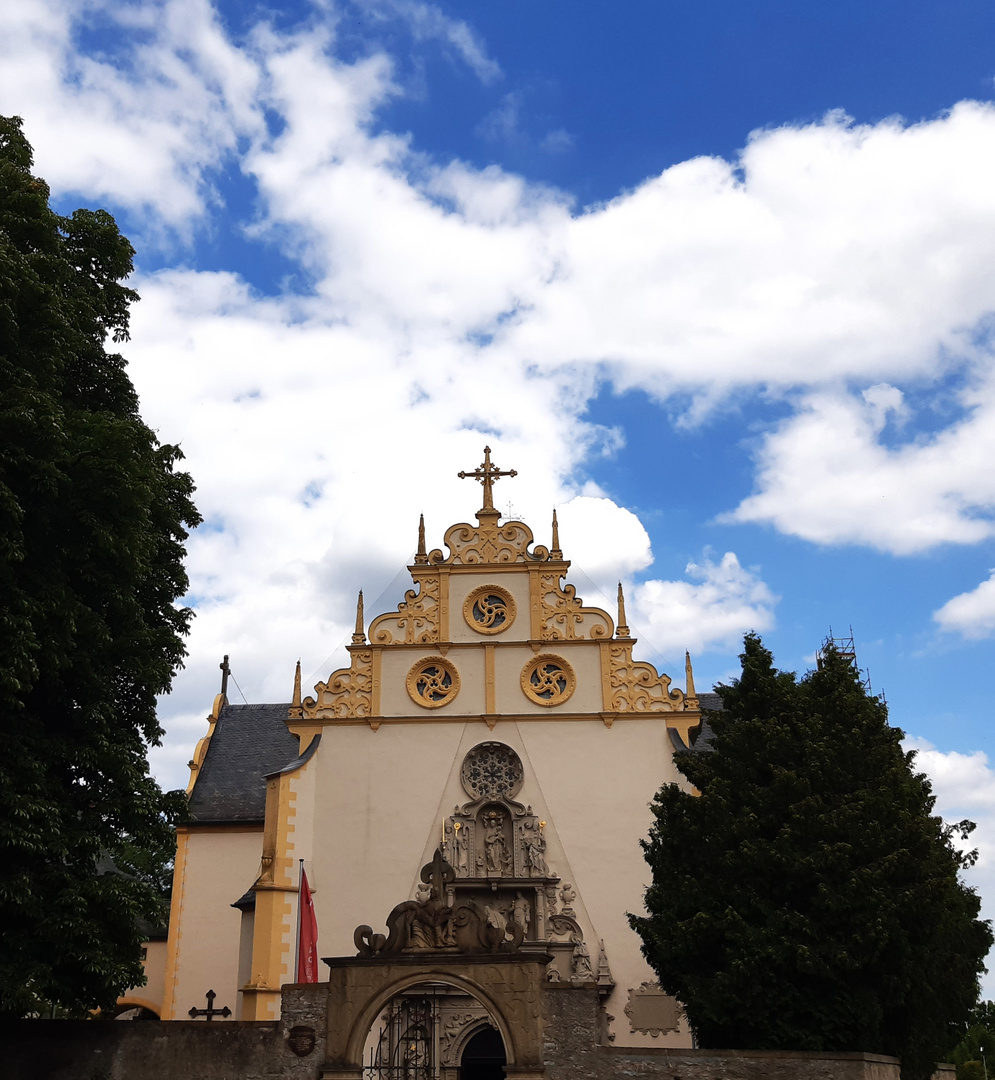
(479, 594)
(490, 687)
(171, 971)
(375, 666)
(605, 716)
(431, 684)
(543, 666)
(606, 670)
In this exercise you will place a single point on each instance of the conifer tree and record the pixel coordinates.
(92, 523)
(805, 896)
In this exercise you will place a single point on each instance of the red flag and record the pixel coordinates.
(307, 942)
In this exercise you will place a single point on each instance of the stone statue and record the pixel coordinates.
(582, 970)
(535, 858)
(462, 850)
(521, 913)
(495, 847)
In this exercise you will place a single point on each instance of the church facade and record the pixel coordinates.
(493, 726)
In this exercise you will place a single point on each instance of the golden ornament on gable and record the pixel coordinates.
(548, 680)
(433, 682)
(489, 609)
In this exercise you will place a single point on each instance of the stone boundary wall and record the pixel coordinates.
(227, 1050)
(571, 1054)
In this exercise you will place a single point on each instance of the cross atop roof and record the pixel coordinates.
(487, 473)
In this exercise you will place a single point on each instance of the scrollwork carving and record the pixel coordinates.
(433, 682)
(637, 686)
(489, 542)
(548, 680)
(489, 609)
(564, 617)
(348, 692)
(417, 618)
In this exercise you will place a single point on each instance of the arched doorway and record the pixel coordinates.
(483, 1056)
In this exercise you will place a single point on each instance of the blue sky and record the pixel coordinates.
(717, 279)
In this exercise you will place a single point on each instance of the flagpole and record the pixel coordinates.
(297, 951)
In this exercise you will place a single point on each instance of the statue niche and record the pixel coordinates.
(495, 844)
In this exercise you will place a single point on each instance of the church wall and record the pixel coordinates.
(204, 928)
(509, 660)
(377, 806)
(598, 783)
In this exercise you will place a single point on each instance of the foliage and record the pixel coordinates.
(808, 899)
(976, 1041)
(92, 523)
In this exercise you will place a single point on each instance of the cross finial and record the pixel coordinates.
(225, 672)
(487, 473)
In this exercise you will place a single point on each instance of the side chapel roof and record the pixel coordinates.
(249, 741)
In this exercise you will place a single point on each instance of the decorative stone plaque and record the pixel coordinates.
(651, 1010)
(548, 680)
(433, 682)
(492, 770)
(489, 609)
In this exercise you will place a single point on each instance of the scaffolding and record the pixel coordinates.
(845, 647)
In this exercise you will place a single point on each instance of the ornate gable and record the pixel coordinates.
(493, 631)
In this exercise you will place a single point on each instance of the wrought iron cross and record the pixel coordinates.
(210, 1012)
(487, 474)
(225, 672)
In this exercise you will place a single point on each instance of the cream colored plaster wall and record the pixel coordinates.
(222, 865)
(376, 806)
(598, 784)
(460, 587)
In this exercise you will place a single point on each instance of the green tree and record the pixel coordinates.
(807, 898)
(92, 523)
(975, 1041)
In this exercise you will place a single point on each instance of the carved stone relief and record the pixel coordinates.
(492, 770)
(548, 680)
(417, 618)
(563, 615)
(489, 542)
(652, 1011)
(348, 692)
(637, 687)
(433, 682)
(489, 609)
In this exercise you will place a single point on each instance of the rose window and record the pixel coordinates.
(548, 680)
(489, 609)
(433, 682)
(492, 771)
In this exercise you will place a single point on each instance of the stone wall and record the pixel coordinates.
(572, 1014)
(195, 1050)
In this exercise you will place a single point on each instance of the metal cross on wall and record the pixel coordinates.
(487, 474)
(210, 1012)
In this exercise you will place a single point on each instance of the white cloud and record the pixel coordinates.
(449, 306)
(428, 22)
(712, 611)
(144, 131)
(825, 475)
(972, 614)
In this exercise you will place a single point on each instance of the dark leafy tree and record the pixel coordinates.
(808, 898)
(92, 523)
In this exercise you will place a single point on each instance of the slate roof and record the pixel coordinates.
(249, 741)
